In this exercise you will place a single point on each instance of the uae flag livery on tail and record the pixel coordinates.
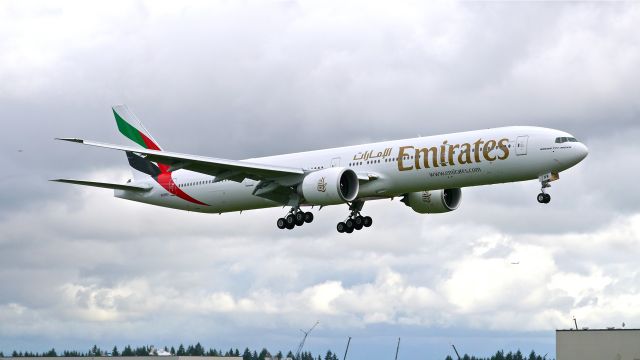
(132, 128)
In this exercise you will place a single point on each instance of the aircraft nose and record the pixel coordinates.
(581, 152)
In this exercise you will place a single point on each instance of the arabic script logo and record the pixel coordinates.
(426, 196)
(322, 185)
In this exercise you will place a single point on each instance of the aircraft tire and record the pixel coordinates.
(290, 219)
(341, 227)
(348, 230)
(291, 226)
(300, 222)
(358, 224)
(308, 217)
(367, 221)
(547, 198)
(541, 198)
(299, 217)
(281, 223)
(349, 223)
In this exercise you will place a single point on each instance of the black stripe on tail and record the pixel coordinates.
(143, 165)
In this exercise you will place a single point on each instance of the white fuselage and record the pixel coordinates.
(472, 158)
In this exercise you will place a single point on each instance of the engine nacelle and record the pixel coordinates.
(432, 202)
(331, 186)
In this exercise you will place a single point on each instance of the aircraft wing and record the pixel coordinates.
(222, 169)
(104, 185)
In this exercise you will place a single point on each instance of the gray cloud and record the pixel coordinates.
(244, 80)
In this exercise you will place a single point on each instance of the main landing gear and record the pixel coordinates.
(295, 217)
(355, 221)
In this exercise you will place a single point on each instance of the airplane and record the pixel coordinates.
(427, 173)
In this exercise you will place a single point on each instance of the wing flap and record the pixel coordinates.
(104, 185)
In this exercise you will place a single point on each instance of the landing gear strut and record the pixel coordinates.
(295, 217)
(355, 221)
(543, 197)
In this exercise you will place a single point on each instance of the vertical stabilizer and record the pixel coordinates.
(131, 127)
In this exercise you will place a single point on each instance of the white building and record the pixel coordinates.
(598, 344)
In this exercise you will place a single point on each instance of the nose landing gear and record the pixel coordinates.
(543, 197)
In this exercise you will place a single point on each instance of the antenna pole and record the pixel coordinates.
(347, 349)
(397, 348)
(456, 350)
(304, 338)
(575, 322)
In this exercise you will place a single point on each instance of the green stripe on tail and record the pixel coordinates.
(129, 131)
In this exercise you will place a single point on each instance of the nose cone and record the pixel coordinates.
(581, 152)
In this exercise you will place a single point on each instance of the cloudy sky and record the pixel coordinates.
(244, 79)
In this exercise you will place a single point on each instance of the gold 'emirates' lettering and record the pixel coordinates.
(444, 155)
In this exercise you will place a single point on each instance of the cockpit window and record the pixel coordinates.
(560, 140)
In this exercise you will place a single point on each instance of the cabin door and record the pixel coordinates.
(335, 162)
(521, 145)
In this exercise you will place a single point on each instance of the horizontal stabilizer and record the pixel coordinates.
(235, 170)
(104, 185)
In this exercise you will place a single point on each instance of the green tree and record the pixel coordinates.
(115, 352)
(95, 351)
(172, 351)
(330, 356)
(181, 351)
(198, 350)
(518, 355)
(263, 354)
(246, 355)
(51, 353)
(141, 351)
(127, 351)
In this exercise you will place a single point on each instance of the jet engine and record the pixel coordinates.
(433, 202)
(331, 186)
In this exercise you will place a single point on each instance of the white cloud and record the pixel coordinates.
(81, 266)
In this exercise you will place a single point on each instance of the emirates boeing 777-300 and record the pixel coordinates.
(427, 173)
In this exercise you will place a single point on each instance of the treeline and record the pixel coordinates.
(500, 355)
(191, 350)
(199, 350)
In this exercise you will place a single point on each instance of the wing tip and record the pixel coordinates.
(76, 140)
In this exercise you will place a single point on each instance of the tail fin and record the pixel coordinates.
(131, 127)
